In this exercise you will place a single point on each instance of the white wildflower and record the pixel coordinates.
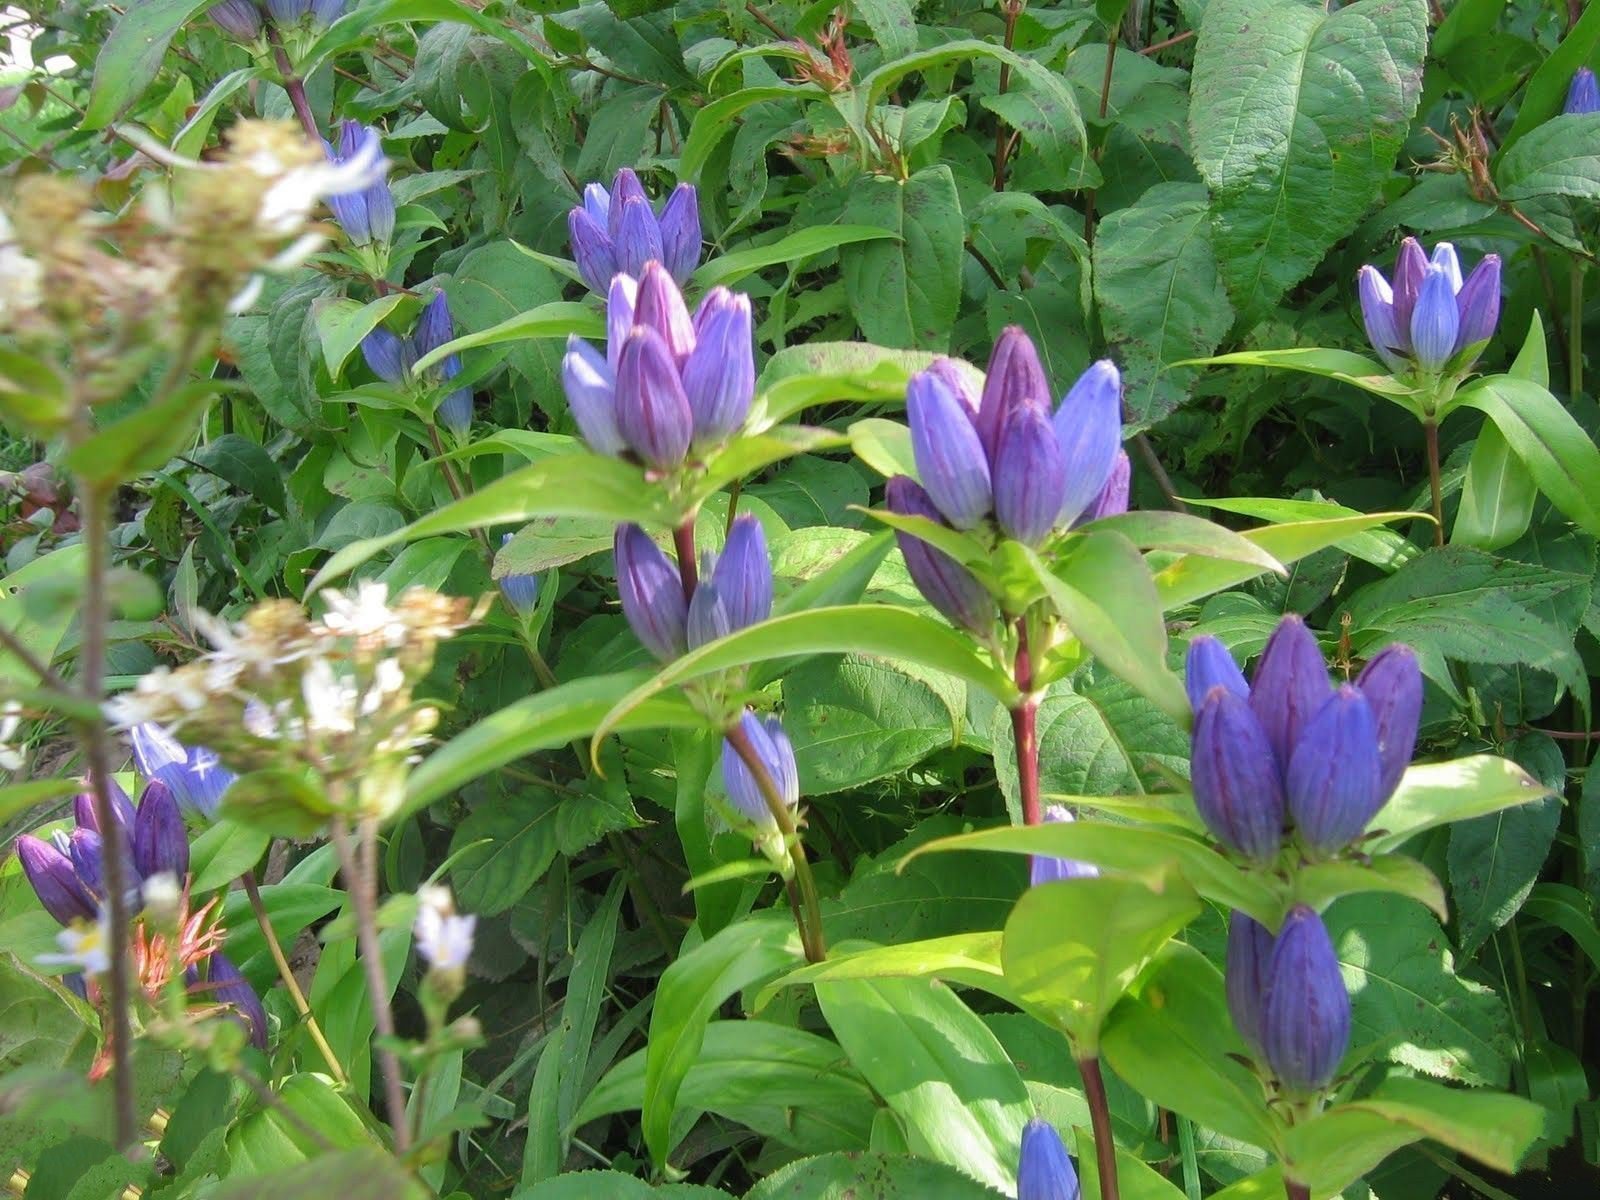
(11, 758)
(85, 945)
(444, 937)
(365, 615)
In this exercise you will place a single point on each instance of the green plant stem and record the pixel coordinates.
(1191, 1165)
(1105, 1145)
(807, 907)
(1024, 729)
(275, 948)
(95, 506)
(683, 542)
(1296, 1191)
(361, 882)
(1575, 332)
(294, 85)
(1430, 433)
(1105, 103)
(1010, 10)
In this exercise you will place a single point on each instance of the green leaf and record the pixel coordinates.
(278, 801)
(711, 122)
(1297, 114)
(1494, 862)
(554, 319)
(1183, 533)
(17, 798)
(291, 908)
(1546, 93)
(1497, 494)
(1343, 365)
(224, 852)
(793, 248)
(1551, 444)
(246, 466)
(871, 1176)
(938, 1068)
(688, 995)
(797, 377)
(967, 959)
(1558, 158)
(1072, 948)
(37, 604)
(1160, 294)
(501, 850)
(366, 1174)
(1409, 1001)
(131, 58)
(905, 292)
(342, 323)
(146, 438)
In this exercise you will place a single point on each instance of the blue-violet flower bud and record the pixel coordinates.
(1045, 1171)
(1392, 683)
(719, 376)
(239, 19)
(1435, 321)
(638, 237)
(1113, 498)
(1237, 788)
(1208, 665)
(1478, 303)
(1088, 426)
(225, 985)
(197, 779)
(591, 248)
(943, 582)
(591, 389)
(1045, 868)
(1583, 94)
(1305, 1020)
(521, 591)
(1031, 476)
(1015, 376)
(680, 232)
(651, 593)
(54, 881)
(1332, 781)
(160, 842)
(949, 456)
(776, 756)
(1249, 954)
(652, 413)
(1290, 687)
(367, 214)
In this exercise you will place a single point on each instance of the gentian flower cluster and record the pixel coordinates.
(776, 754)
(734, 591)
(68, 875)
(193, 774)
(1290, 748)
(243, 19)
(393, 357)
(367, 214)
(668, 383)
(1046, 1171)
(1288, 999)
(1583, 93)
(618, 232)
(1430, 318)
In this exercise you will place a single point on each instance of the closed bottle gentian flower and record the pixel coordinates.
(1583, 94)
(520, 590)
(1088, 426)
(1030, 475)
(735, 588)
(652, 412)
(54, 881)
(389, 355)
(1249, 955)
(434, 329)
(1305, 1011)
(619, 231)
(659, 305)
(1431, 315)
(1014, 376)
(1045, 1171)
(218, 981)
(160, 843)
(239, 19)
(775, 753)
(1045, 868)
(1235, 777)
(950, 457)
(83, 810)
(591, 386)
(1208, 665)
(945, 583)
(365, 215)
(1332, 784)
(719, 374)
(1392, 683)
(1290, 686)
(197, 779)
(651, 592)
(1113, 498)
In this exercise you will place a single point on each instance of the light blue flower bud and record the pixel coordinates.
(638, 237)
(1045, 1171)
(1377, 314)
(1435, 321)
(680, 232)
(652, 413)
(239, 19)
(591, 388)
(1332, 784)
(592, 250)
(1208, 665)
(948, 453)
(288, 12)
(719, 376)
(775, 753)
(743, 574)
(1410, 268)
(1392, 683)
(651, 593)
(1088, 427)
(1237, 789)
(625, 186)
(367, 214)
(1305, 1023)
(1030, 476)
(1113, 498)
(947, 585)
(659, 306)
(326, 12)
(1444, 259)
(1583, 94)
(597, 203)
(1249, 955)
(1478, 303)
(521, 591)
(622, 297)
(388, 355)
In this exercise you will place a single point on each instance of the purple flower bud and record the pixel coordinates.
(680, 232)
(597, 203)
(950, 458)
(1332, 783)
(287, 12)
(1583, 94)
(196, 777)
(959, 384)
(708, 612)
(743, 574)
(591, 396)
(651, 592)
(121, 807)
(1235, 778)
(621, 299)
(1410, 268)
(775, 754)
(624, 187)
(239, 19)
(87, 852)
(1478, 303)
(54, 881)
(1249, 953)
(160, 842)
(1435, 321)
(435, 326)
(521, 591)
(367, 214)
(660, 307)
(1377, 314)
(1392, 683)
(1291, 685)
(1044, 868)
(1015, 376)
(388, 355)
(591, 249)
(1113, 498)
(652, 413)
(326, 12)
(454, 410)
(945, 583)
(638, 238)
(434, 329)
(1030, 476)
(1444, 258)
(1045, 1171)
(1088, 428)
(1305, 1017)
(1209, 665)
(223, 984)
(719, 376)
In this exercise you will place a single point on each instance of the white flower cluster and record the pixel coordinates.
(444, 936)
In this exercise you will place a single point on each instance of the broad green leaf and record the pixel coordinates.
(937, 1066)
(905, 292)
(501, 850)
(797, 377)
(1546, 93)
(553, 542)
(1433, 794)
(365, 1174)
(1343, 365)
(342, 323)
(1551, 444)
(539, 722)
(688, 995)
(222, 853)
(586, 993)
(801, 244)
(1495, 861)
(17, 798)
(968, 959)
(1160, 295)
(146, 438)
(711, 122)
(1383, 548)
(1297, 114)
(37, 604)
(1559, 158)
(1071, 948)
(554, 319)
(131, 57)
(291, 907)
(1497, 494)
(1175, 1043)
(1183, 533)
(1321, 883)
(247, 466)
(871, 1176)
